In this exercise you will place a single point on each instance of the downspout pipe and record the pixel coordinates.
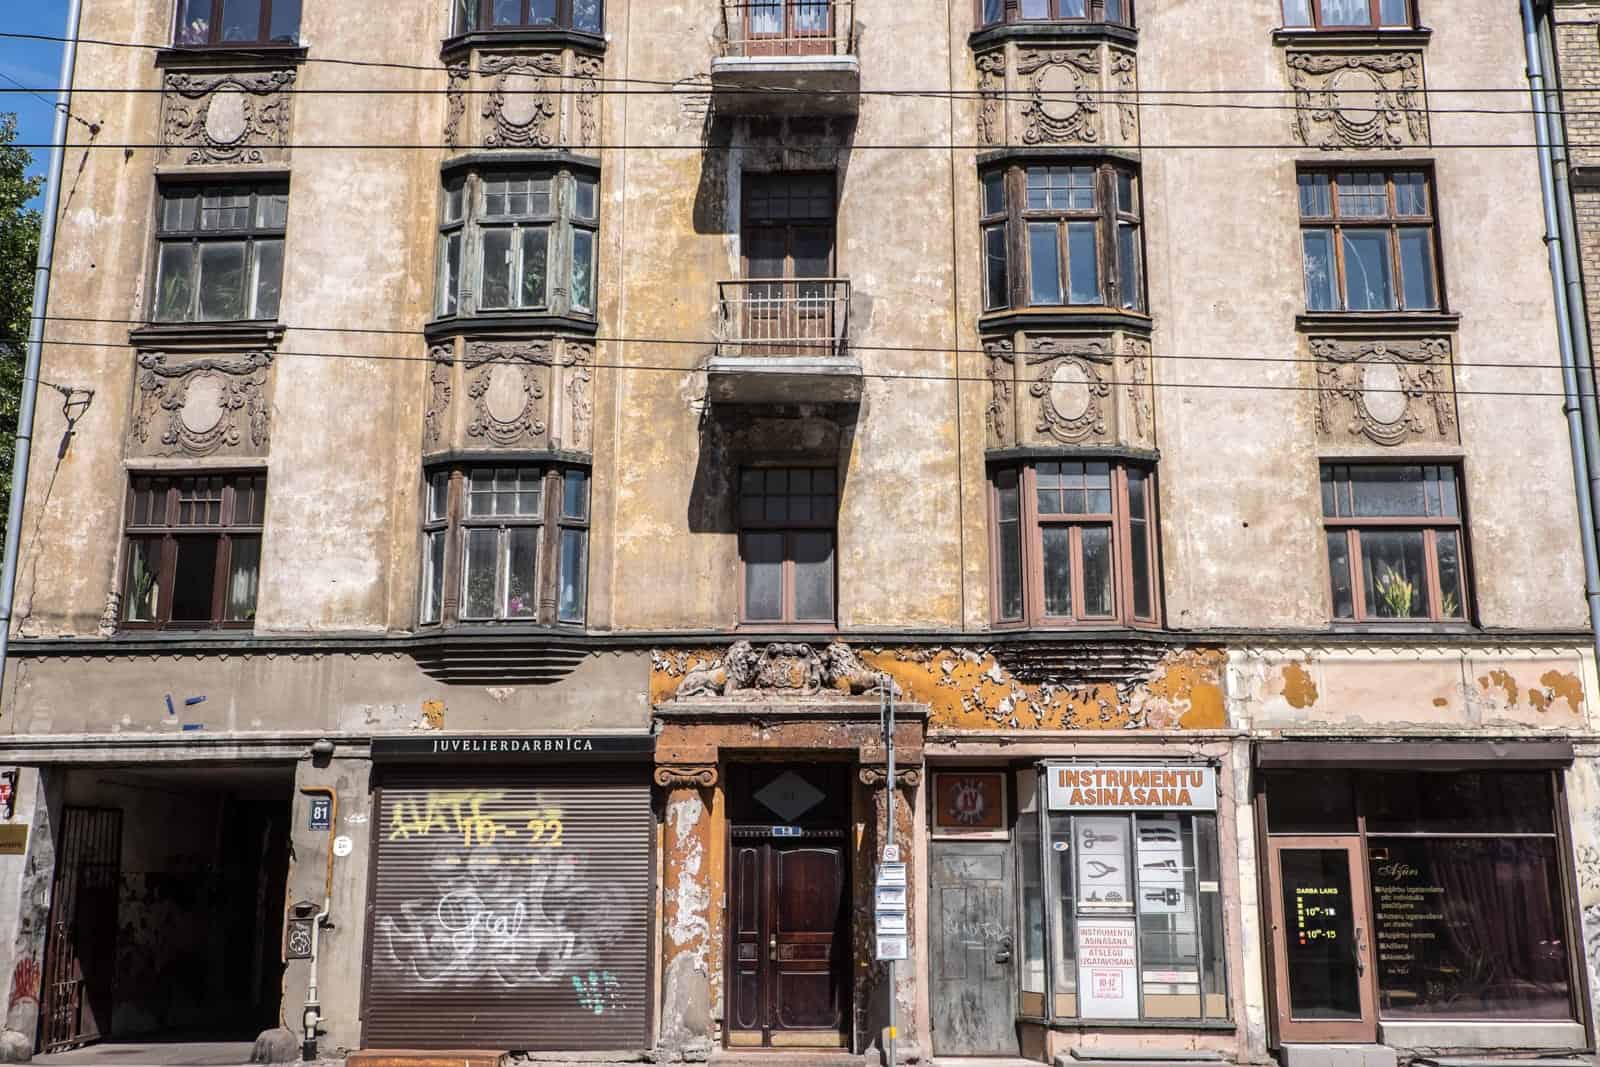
(311, 1013)
(1573, 400)
(1577, 302)
(35, 355)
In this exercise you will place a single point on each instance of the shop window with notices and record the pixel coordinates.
(1128, 891)
(1469, 915)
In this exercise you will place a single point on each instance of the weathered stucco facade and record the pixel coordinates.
(387, 731)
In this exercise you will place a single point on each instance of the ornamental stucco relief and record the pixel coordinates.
(520, 394)
(226, 117)
(1084, 95)
(1358, 99)
(530, 99)
(1069, 390)
(1388, 392)
(202, 407)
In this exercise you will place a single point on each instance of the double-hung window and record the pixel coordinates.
(1076, 228)
(203, 23)
(1396, 542)
(1348, 14)
(1369, 241)
(219, 255)
(1074, 543)
(513, 242)
(582, 15)
(193, 555)
(787, 522)
(511, 542)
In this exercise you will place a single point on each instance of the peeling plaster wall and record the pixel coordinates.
(1412, 689)
(1583, 814)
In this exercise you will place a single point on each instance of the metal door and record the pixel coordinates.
(510, 909)
(81, 947)
(974, 991)
(1320, 940)
(790, 939)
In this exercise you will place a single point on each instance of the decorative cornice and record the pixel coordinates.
(492, 327)
(254, 57)
(696, 775)
(210, 338)
(1056, 321)
(455, 47)
(1370, 322)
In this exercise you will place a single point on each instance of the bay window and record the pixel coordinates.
(1074, 543)
(505, 544)
(582, 15)
(1116, 12)
(1062, 235)
(518, 242)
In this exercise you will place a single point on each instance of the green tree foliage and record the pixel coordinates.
(19, 249)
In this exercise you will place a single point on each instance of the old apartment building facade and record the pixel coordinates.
(530, 450)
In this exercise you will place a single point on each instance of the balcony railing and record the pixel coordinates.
(784, 317)
(787, 27)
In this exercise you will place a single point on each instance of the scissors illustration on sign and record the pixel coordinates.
(1090, 838)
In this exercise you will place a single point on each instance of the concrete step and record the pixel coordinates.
(401, 1057)
(1193, 1055)
(1329, 1055)
(1503, 1061)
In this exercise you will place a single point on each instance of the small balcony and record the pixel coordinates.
(787, 57)
(784, 341)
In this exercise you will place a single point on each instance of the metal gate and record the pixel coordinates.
(81, 949)
(510, 909)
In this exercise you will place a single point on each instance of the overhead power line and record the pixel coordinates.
(1111, 379)
(1211, 357)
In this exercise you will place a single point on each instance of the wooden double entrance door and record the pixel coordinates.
(789, 915)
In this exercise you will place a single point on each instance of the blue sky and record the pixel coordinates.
(33, 63)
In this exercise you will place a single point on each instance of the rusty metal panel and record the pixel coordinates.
(81, 947)
(511, 909)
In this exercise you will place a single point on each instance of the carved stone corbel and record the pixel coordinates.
(904, 777)
(686, 775)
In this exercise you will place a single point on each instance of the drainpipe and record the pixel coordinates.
(1578, 404)
(41, 304)
(311, 1014)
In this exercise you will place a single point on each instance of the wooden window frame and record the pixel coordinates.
(456, 524)
(214, 26)
(1107, 215)
(560, 224)
(1429, 525)
(789, 528)
(197, 237)
(1095, 13)
(447, 298)
(1374, 22)
(1392, 222)
(169, 530)
(1031, 528)
(479, 18)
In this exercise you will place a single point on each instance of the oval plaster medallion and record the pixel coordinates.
(1069, 390)
(202, 404)
(1357, 94)
(226, 117)
(507, 395)
(1382, 392)
(523, 98)
(1056, 88)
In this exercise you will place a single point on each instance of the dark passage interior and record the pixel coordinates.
(167, 904)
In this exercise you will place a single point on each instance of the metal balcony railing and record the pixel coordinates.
(784, 317)
(787, 27)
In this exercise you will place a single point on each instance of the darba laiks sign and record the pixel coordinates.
(1132, 787)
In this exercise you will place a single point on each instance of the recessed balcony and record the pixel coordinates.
(787, 57)
(784, 341)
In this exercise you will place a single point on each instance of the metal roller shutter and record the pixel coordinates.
(511, 909)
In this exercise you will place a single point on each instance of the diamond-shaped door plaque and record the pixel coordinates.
(789, 796)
